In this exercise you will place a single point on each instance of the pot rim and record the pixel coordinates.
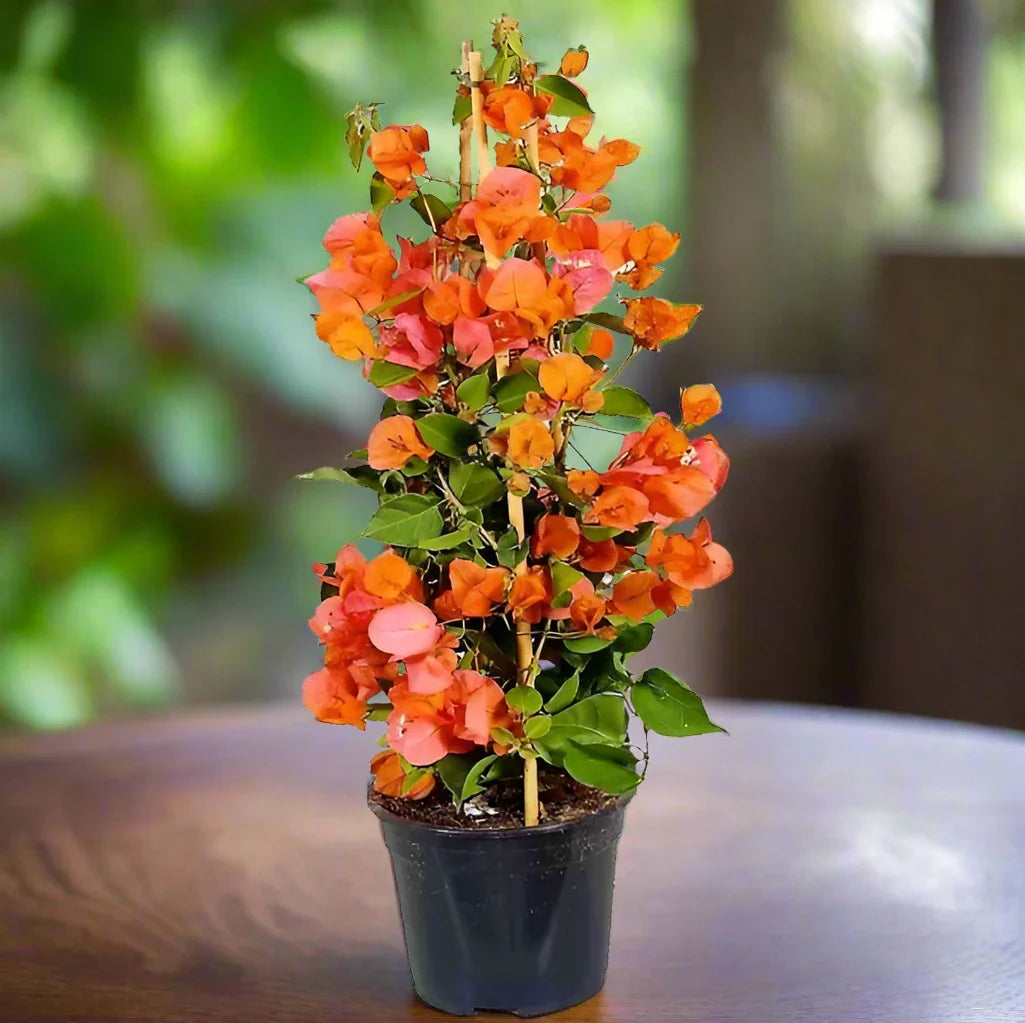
(384, 814)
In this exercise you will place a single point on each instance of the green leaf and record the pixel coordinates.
(474, 391)
(416, 466)
(390, 407)
(622, 401)
(431, 210)
(411, 778)
(558, 485)
(563, 577)
(361, 475)
(564, 695)
(381, 193)
(600, 718)
(569, 100)
(387, 374)
(471, 783)
(512, 391)
(362, 121)
(639, 535)
(394, 301)
(668, 706)
(449, 540)
(461, 109)
(609, 768)
(453, 769)
(586, 644)
(510, 550)
(406, 521)
(582, 339)
(501, 67)
(378, 711)
(503, 736)
(526, 699)
(474, 484)
(448, 434)
(599, 533)
(608, 321)
(634, 638)
(537, 727)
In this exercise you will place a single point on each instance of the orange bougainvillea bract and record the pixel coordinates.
(521, 551)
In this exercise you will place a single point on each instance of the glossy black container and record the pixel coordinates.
(513, 920)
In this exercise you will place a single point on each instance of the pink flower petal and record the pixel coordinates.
(421, 742)
(711, 460)
(472, 340)
(427, 675)
(405, 630)
(481, 705)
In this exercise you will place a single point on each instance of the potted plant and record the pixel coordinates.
(491, 634)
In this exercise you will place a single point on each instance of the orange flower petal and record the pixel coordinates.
(654, 321)
(652, 244)
(348, 336)
(555, 534)
(598, 555)
(699, 403)
(601, 344)
(573, 62)
(631, 596)
(530, 445)
(395, 152)
(388, 576)
(619, 506)
(583, 482)
(393, 442)
(622, 151)
(517, 284)
(566, 377)
(586, 612)
(389, 776)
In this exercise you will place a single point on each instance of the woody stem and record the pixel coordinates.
(619, 369)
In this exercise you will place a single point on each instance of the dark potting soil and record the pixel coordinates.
(501, 804)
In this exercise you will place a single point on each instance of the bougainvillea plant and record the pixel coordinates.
(494, 628)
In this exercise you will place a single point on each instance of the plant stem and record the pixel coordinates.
(451, 497)
(619, 369)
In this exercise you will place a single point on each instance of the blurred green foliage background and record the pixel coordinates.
(166, 170)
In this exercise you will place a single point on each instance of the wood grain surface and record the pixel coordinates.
(813, 867)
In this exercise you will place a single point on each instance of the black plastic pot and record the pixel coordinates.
(514, 920)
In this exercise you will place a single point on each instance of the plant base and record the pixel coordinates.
(512, 920)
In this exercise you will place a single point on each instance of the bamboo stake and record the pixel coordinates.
(533, 150)
(524, 647)
(477, 107)
(465, 136)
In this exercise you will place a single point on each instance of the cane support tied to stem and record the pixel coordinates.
(473, 64)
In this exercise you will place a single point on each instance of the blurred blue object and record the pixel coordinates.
(778, 404)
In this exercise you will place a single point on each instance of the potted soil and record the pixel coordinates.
(521, 567)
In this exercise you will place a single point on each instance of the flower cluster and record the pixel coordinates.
(377, 632)
(517, 578)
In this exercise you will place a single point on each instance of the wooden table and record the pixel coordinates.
(814, 867)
